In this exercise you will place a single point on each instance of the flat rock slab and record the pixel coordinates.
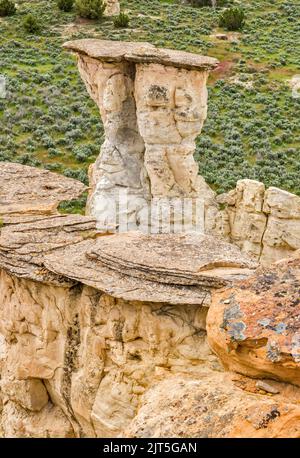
(23, 246)
(254, 326)
(143, 52)
(29, 190)
(72, 262)
(182, 259)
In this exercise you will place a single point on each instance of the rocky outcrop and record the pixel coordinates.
(153, 103)
(83, 341)
(105, 335)
(254, 326)
(82, 337)
(265, 224)
(30, 191)
(112, 7)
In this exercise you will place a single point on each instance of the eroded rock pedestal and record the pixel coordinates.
(153, 103)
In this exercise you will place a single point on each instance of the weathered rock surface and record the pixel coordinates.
(254, 327)
(23, 246)
(116, 51)
(29, 191)
(153, 103)
(212, 406)
(185, 259)
(265, 224)
(95, 354)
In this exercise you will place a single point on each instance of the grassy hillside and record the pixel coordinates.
(252, 130)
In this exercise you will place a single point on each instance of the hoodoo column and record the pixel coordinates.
(153, 103)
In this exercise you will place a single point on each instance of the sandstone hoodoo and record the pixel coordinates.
(153, 103)
(110, 331)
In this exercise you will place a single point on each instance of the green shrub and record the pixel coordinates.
(7, 8)
(121, 21)
(232, 19)
(31, 24)
(65, 5)
(90, 9)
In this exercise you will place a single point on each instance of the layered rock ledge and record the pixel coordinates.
(30, 191)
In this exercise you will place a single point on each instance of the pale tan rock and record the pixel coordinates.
(112, 7)
(282, 235)
(30, 394)
(31, 191)
(23, 246)
(153, 103)
(265, 224)
(281, 204)
(247, 223)
(171, 109)
(187, 259)
(87, 343)
(281, 239)
(48, 423)
(116, 51)
(120, 165)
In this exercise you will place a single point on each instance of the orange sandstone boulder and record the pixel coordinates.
(254, 326)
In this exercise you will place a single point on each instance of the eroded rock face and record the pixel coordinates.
(254, 326)
(153, 103)
(96, 355)
(84, 339)
(265, 224)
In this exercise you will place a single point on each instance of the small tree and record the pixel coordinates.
(31, 24)
(232, 19)
(121, 21)
(7, 8)
(65, 5)
(90, 9)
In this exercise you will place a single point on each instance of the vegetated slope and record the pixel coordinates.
(252, 130)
